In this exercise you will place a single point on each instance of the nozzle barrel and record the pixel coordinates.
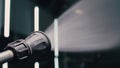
(35, 45)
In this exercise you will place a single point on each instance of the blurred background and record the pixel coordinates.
(83, 33)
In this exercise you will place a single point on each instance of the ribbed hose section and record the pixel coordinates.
(6, 55)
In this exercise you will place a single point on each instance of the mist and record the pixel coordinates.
(89, 25)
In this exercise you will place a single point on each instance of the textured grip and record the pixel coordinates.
(35, 45)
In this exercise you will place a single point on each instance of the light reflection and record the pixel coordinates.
(7, 18)
(36, 65)
(56, 50)
(5, 65)
(36, 18)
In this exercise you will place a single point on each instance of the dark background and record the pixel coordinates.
(22, 24)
